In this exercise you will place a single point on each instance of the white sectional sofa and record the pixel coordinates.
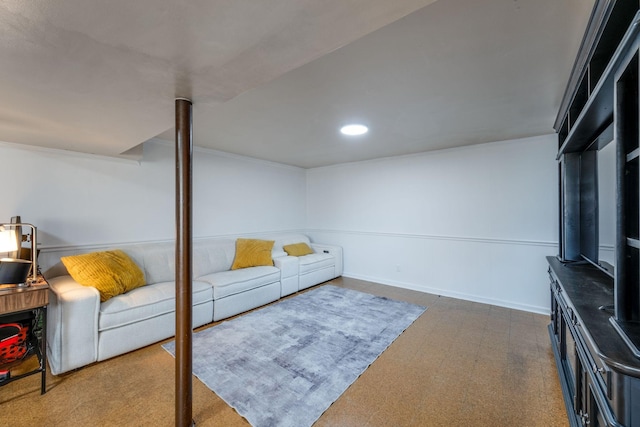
(82, 330)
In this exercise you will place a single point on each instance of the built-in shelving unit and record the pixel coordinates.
(588, 106)
(595, 311)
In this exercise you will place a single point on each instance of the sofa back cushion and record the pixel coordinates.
(159, 264)
(212, 256)
(157, 260)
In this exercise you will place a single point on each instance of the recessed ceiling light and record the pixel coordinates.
(353, 130)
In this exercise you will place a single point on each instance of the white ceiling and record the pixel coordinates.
(275, 80)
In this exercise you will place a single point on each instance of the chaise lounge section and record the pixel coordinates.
(82, 330)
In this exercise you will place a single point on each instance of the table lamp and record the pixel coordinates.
(15, 270)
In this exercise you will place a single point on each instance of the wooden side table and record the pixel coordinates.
(20, 300)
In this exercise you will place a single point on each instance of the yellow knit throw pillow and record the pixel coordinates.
(110, 272)
(252, 253)
(297, 249)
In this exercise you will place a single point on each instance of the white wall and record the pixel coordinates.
(473, 222)
(77, 199)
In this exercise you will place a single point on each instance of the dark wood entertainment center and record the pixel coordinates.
(595, 307)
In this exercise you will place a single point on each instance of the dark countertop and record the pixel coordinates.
(586, 288)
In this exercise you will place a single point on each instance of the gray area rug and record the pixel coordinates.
(285, 364)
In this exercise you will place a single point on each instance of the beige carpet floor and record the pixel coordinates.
(460, 364)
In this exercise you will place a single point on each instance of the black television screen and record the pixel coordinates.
(597, 190)
(607, 205)
(589, 206)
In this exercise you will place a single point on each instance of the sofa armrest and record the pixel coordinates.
(289, 269)
(72, 324)
(288, 266)
(336, 251)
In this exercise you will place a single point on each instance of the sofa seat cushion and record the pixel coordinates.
(145, 303)
(315, 262)
(226, 283)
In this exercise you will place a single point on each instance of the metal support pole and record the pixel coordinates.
(184, 366)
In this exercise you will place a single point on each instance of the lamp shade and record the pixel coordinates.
(8, 241)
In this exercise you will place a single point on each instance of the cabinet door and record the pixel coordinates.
(571, 362)
(594, 414)
(555, 313)
(582, 393)
(588, 394)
